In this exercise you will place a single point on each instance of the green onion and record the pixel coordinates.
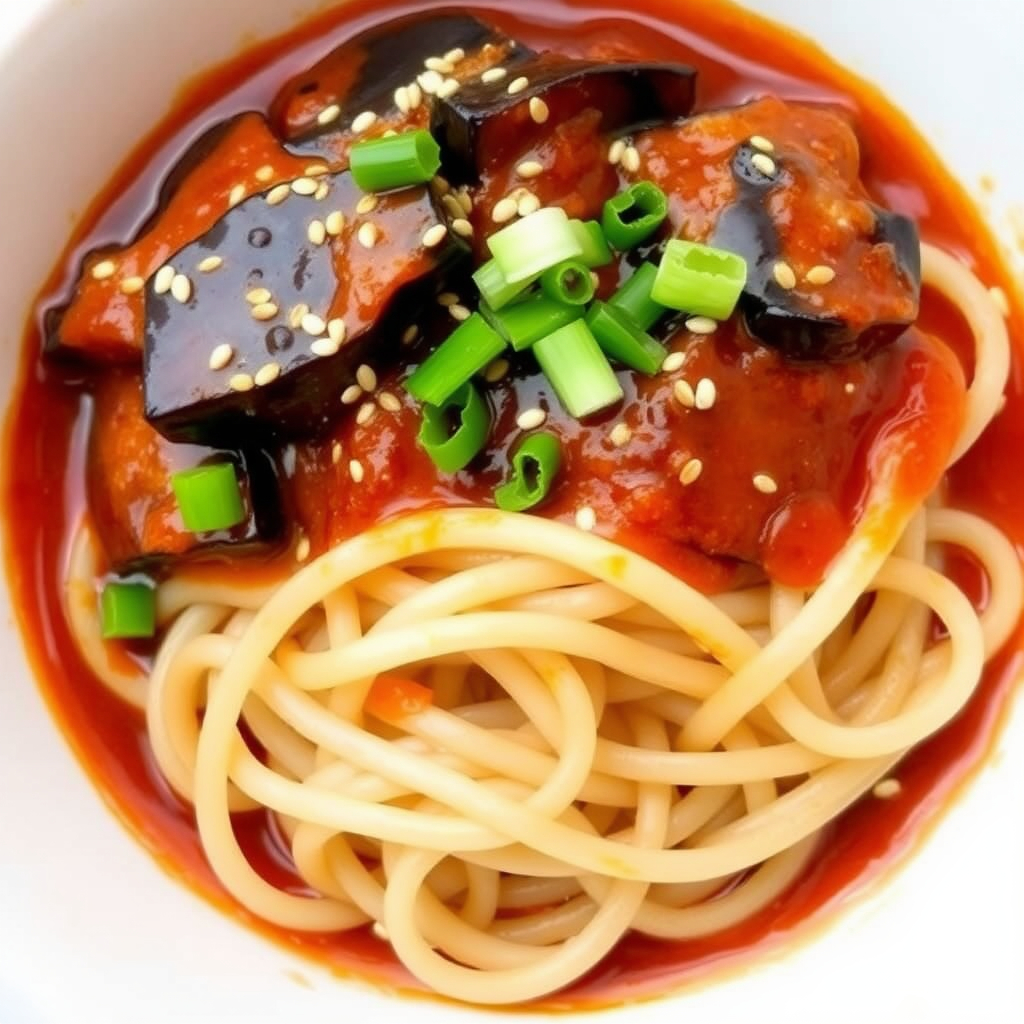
(395, 161)
(466, 351)
(451, 450)
(578, 370)
(494, 289)
(526, 249)
(596, 251)
(634, 215)
(634, 297)
(530, 320)
(535, 464)
(128, 611)
(209, 497)
(569, 282)
(620, 337)
(699, 279)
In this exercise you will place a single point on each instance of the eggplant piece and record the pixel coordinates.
(479, 124)
(130, 494)
(277, 372)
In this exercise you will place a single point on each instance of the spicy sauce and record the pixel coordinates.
(739, 57)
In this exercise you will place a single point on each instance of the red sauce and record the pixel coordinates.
(739, 57)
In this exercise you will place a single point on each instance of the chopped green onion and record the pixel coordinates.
(466, 351)
(699, 279)
(634, 215)
(634, 297)
(128, 611)
(535, 464)
(209, 497)
(451, 450)
(596, 251)
(395, 161)
(620, 337)
(530, 320)
(578, 370)
(494, 288)
(527, 248)
(569, 282)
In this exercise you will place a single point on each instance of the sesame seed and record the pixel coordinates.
(366, 378)
(459, 312)
(763, 144)
(631, 159)
(451, 205)
(454, 55)
(690, 472)
(304, 186)
(705, 394)
(267, 374)
(402, 99)
(336, 452)
(351, 394)
(410, 334)
(517, 85)
(620, 435)
(132, 285)
(336, 330)
(615, 151)
(389, 402)
(701, 325)
(820, 275)
(764, 163)
(295, 315)
(334, 223)
(462, 227)
(264, 173)
(530, 169)
(435, 235)
(367, 119)
(236, 195)
(210, 264)
(278, 194)
(673, 362)
(539, 110)
(241, 382)
(313, 324)
(317, 232)
(329, 114)
(430, 82)
(323, 190)
(531, 419)
(302, 549)
(440, 184)
(586, 518)
(439, 64)
(221, 356)
(355, 470)
(163, 280)
(368, 235)
(765, 484)
(366, 413)
(784, 275)
(103, 270)
(447, 299)
(257, 295)
(324, 347)
(528, 204)
(181, 288)
(495, 370)
(465, 200)
(493, 75)
(849, 387)
(415, 95)
(887, 789)
(264, 311)
(367, 203)
(504, 210)
(683, 392)
(317, 170)
(448, 88)
(999, 297)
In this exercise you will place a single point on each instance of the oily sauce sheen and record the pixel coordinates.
(739, 57)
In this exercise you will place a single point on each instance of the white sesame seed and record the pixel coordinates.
(324, 347)
(313, 324)
(459, 312)
(447, 299)
(317, 170)
(316, 232)
(389, 402)
(302, 549)
(683, 391)
(328, 115)
(221, 356)
(763, 144)
(448, 88)
(887, 789)
(849, 387)
(163, 280)
(517, 85)
(241, 382)
(410, 334)
(103, 270)
(528, 204)
(701, 325)
(415, 95)
(462, 227)
(451, 205)
(615, 151)
(690, 472)
(439, 64)
(465, 200)
(402, 99)
(304, 186)
(999, 297)
(673, 362)
(764, 163)
(493, 75)
(784, 275)
(181, 288)
(430, 82)
(820, 275)
(440, 184)
(368, 235)
(210, 264)
(530, 169)
(264, 173)
(504, 210)
(366, 413)
(531, 419)
(337, 330)
(705, 394)
(267, 374)
(323, 190)
(454, 55)
(132, 285)
(351, 394)
(295, 315)
(620, 435)
(631, 159)
(236, 195)
(355, 470)
(264, 311)
(334, 223)
(435, 235)
(336, 452)
(278, 194)
(586, 518)
(539, 110)
(366, 378)
(367, 203)
(257, 295)
(765, 484)
(367, 119)
(495, 370)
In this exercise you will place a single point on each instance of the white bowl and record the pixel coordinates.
(92, 930)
